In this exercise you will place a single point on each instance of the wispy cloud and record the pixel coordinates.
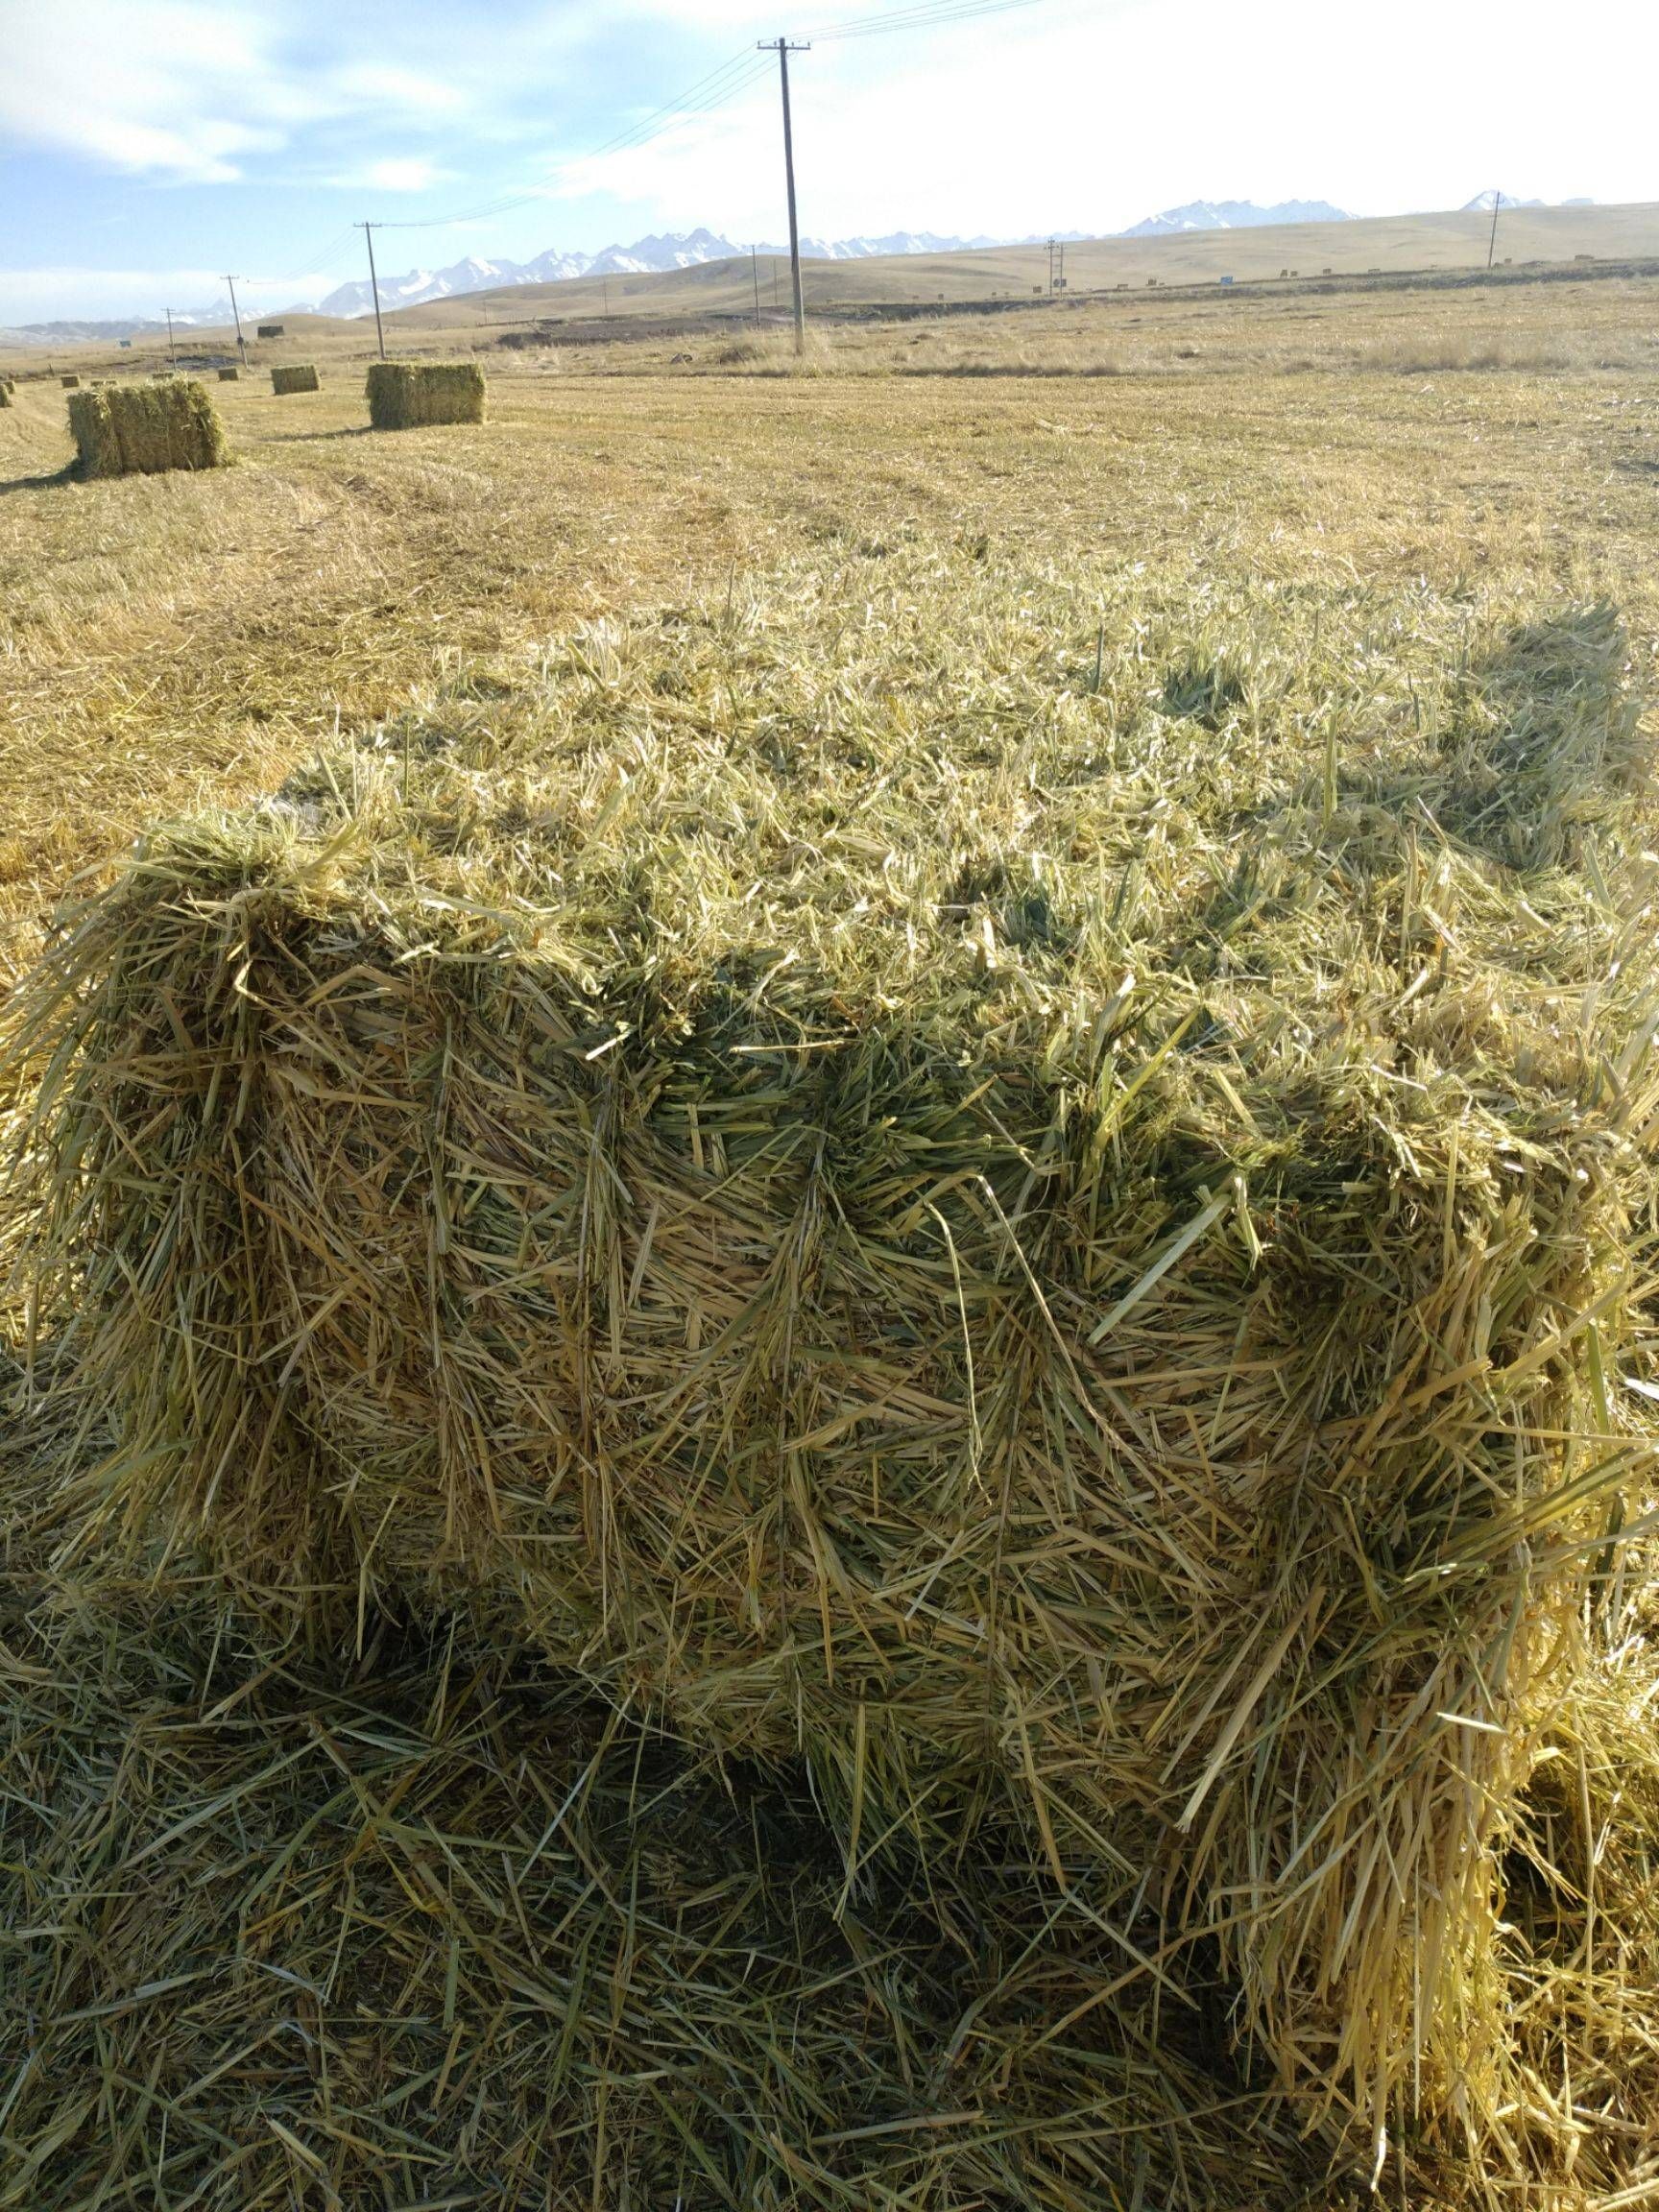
(169, 87)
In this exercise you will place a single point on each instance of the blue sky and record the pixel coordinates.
(148, 146)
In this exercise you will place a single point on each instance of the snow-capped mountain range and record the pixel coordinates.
(1234, 215)
(673, 249)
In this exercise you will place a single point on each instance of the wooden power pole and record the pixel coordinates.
(241, 341)
(782, 48)
(172, 349)
(369, 230)
(1491, 247)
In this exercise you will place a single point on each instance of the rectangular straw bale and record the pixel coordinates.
(1055, 1252)
(69, 383)
(269, 330)
(5, 394)
(147, 429)
(408, 395)
(296, 376)
(228, 375)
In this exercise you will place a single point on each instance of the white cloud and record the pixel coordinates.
(406, 175)
(166, 86)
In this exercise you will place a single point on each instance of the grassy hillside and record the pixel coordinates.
(1392, 242)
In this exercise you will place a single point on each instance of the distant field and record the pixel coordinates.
(1403, 242)
(175, 640)
(1442, 243)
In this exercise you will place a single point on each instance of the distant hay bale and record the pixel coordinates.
(144, 430)
(298, 377)
(414, 394)
(69, 383)
(269, 330)
(228, 375)
(784, 1206)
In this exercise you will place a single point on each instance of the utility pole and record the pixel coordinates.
(755, 271)
(172, 349)
(784, 49)
(241, 341)
(1497, 203)
(1050, 268)
(369, 230)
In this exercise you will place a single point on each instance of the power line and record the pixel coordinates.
(925, 16)
(723, 84)
(719, 86)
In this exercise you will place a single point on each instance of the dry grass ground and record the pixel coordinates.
(179, 640)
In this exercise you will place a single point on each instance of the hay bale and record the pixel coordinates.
(827, 1237)
(269, 330)
(228, 375)
(5, 394)
(411, 395)
(69, 383)
(144, 430)
(298, 377)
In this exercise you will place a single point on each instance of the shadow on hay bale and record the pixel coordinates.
(296, 376)
(625, 1972)
(144, 430)
(411, 395)
(825, 1235)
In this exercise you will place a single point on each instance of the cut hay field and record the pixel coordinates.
(183, 639)
(830, 1340)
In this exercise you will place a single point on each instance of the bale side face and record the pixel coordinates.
(227, 375)
(296, 376)
(414, 394)
(70, 383)
(145, 430)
